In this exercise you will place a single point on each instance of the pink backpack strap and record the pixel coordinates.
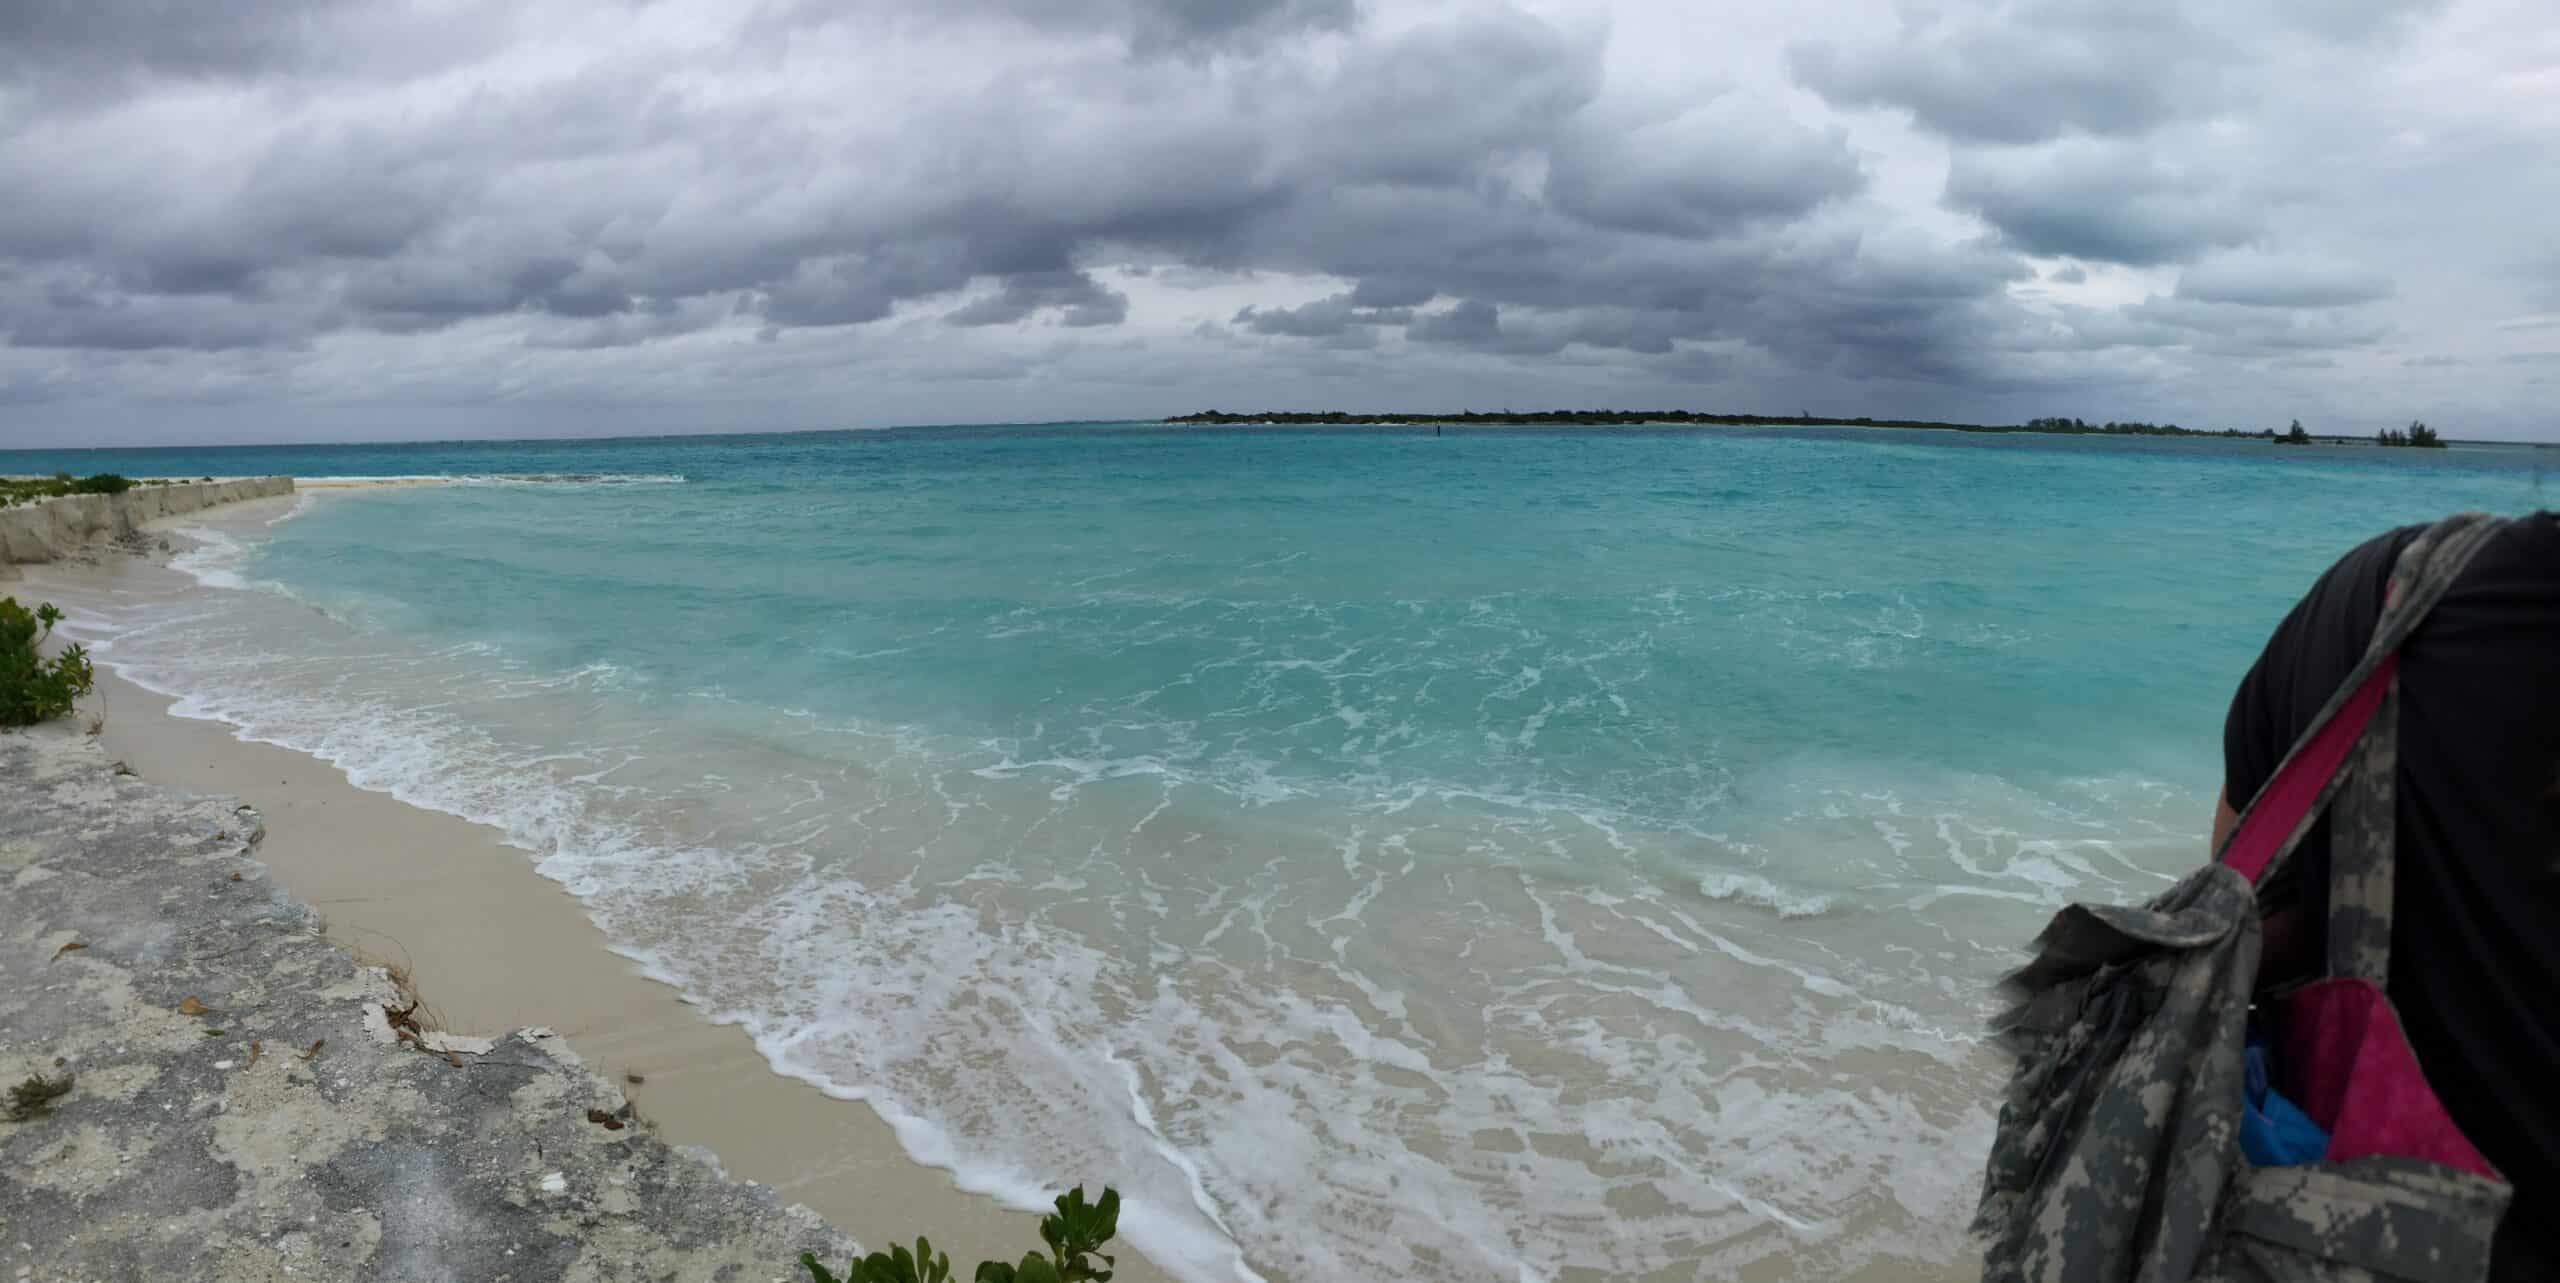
(2314, 770)
(2294, 798)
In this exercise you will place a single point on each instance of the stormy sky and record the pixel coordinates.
(230, 220)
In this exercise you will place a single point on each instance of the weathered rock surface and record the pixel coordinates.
(51, 529)
(221, 1145)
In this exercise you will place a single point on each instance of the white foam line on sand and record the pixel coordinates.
(495, 945)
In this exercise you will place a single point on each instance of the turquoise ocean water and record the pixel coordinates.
(1513, 854)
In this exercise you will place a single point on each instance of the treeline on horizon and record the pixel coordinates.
(2418, 434)
(2418, 437)
(1603, 418)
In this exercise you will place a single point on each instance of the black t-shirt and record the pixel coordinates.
(2475, 940)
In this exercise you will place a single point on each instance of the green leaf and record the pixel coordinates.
(1075, 1234)
(1105, 1221)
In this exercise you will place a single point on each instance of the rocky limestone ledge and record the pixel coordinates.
(51, 529)
(248, 1104)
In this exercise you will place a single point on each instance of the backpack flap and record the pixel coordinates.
(2118, 1135)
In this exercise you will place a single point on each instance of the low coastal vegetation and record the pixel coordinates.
(29, 489)
(32, 688)
(1075, 1235)
(1634, 418)
(2418, 437)
(2111, 428)
(2418, 434)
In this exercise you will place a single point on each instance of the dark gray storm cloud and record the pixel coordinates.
(1702, 171)
(1477, 325)
(2025, 72)
(1327, 317)
(1148, 27)
(180, 37)
(2108, 202)
(2262, 281)
(2021, 71)
(1080, 302)
(1403, 165)
(1977, 209)
(117, 323)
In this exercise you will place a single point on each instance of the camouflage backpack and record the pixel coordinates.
(2118, 1154)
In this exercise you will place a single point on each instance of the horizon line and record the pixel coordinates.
(1422, 418)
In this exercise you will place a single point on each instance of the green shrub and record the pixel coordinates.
(1075, 1236)
(34, 689)
(60, 484)
(2419, 436)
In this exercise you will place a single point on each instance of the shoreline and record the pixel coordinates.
(493, 944)
(60, 527)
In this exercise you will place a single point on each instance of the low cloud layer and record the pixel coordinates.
(439, 217)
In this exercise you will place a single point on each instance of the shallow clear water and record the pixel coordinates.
(1515, 854)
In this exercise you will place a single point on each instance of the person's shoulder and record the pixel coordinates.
(2385, 548)
(2364, 573)
(2525, 556)
(2535, 535)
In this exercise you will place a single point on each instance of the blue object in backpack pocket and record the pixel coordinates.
(2274, 1132)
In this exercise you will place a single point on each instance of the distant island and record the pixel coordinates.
(1632, 418)
(2417, 435)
